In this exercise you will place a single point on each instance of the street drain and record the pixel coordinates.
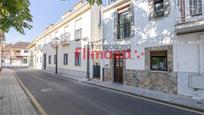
(46, 90)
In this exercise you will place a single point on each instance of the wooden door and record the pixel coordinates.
(118, 68)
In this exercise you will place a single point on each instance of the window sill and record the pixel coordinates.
(123, 39)
(159, 18)
(157, 71)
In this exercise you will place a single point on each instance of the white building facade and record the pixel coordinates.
(165, 39)
(74, 31)
(163, 42)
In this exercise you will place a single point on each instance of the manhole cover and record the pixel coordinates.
(46, 90)
(1, 97)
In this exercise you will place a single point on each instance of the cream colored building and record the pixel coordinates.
(76, 29)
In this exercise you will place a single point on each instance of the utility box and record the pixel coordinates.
(196, 82)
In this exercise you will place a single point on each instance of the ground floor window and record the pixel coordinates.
(158, 60)
(65, 59)
(49, 59)
(24, 61)
(55, 59)
(77, 58)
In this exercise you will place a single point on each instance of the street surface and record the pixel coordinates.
(67, 97)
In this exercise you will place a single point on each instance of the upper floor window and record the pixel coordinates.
(78, 29)
(159, 8)
(124, 24)
(111, 1)
(195, 7)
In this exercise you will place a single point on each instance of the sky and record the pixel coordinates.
(44, 12)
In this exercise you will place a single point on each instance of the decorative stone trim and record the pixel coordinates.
(169, 50)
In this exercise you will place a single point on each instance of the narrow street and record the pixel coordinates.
(67, 97)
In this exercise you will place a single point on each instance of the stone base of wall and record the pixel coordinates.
(156, 81)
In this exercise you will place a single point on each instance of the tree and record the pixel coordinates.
(91, 2)
(16, 14)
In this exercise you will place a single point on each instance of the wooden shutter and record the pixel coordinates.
(116, 25)
(167, 7)
(132, 20)
(151, 9)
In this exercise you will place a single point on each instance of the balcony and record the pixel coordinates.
(65, 39)
(190, 24)
(78, 34)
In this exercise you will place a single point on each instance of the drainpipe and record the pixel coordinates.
(199, 54)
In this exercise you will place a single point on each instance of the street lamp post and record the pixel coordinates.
(56, 40)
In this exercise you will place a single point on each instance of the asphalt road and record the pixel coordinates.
(67, 97)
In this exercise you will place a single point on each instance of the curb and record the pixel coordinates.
(34, 102)
(175, 105)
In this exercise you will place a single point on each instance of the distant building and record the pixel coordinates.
(6, 57)
(2, 38)
(19, 54)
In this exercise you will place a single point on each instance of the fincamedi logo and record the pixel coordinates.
(108, 53)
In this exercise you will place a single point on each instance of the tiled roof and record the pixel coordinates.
(20, 45)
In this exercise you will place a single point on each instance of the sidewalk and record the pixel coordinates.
(13, 100)
(177, 100)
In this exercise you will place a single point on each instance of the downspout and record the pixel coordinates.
(199, 54)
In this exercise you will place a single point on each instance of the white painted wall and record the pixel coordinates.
(188, 50)
(89, 24)
(148, 33)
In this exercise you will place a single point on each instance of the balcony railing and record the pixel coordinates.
(190, 24)
(65, 38)
(190, 18)
(78, 34)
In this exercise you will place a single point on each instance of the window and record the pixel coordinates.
(55, 59)
(40, 59)
(77, 58)
(78, 34)
(158, 60)
(124, 23)
(65, 59)
(24, 61)
(195, 7)
(25, 51)
(78, 29)
(49, 59)
(159, 8)
(111, 1)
